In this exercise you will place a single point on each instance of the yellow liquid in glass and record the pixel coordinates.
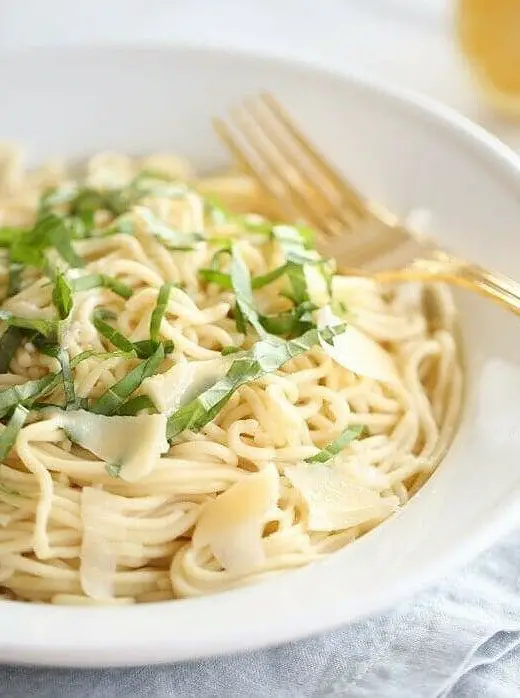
(489, 33)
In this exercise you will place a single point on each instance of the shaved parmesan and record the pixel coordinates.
(334, 501)
(184, 382)
(132, 444)
(98, 553)
(357, 352)
(232, 524)
(316, 284)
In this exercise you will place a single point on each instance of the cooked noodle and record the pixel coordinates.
(73, 531)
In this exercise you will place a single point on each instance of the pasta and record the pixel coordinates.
(191, 398)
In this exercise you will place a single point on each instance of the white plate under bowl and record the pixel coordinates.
(404, 152)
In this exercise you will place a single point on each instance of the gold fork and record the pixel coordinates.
(365, 240)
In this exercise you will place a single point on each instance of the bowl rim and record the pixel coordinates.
(117, 636)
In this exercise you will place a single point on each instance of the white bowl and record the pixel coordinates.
(404, 152)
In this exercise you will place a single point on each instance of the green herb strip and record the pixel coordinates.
(292, 323)
(45, 327)
(265, 279)
(135, 404)
(114, 336)
(12, 429)
(67, 377)
(159, 311)
(11, 340)
(112, 400)
(49, 231)
(30, 392)
(226, 351)
(146, 347)
(214, 276)
(142, 349)
(14, 281)
(9, 233)
(85, 283)
(266, 356)
(62, 296)
(27, 392)
(174, 240)
(336, 446)
(241, 283)
(294, 242)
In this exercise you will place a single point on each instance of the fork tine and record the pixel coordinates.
(262, 147)
(285, 147)
(248, 166)
(354, 198)
(264, 152)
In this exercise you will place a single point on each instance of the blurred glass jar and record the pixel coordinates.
(489, 34)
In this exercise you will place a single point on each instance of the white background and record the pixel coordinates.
(410, 42)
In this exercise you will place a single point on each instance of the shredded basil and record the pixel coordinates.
(15, 278)
(156, 183)
(224, 280)
(67, 377)
(8, 235)
(266, 356)
(45, 327)
(57, 196)
(133, 406)
(269, 277)
(84, 202)
(294, 244)
(46, 345)
(214, 208)
(225, 351)
(142, 349)
(172, 239)
(294, 241)
(292, 323)
(296, 275)
(12, 429)
(112, 400)
(85, 283)
(27, 392)
(214, 276)
(241, 283)
(159, 311)
(50, 231)
(30, 392)
(62, 296)
(88, 201)
(12, 338)
(114, 336)
(26, 254)
(101, 355)
(336, 446)
(146, 347)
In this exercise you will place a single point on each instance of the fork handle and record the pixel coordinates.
(499, 287)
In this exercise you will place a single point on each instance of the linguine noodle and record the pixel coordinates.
(251, 491)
